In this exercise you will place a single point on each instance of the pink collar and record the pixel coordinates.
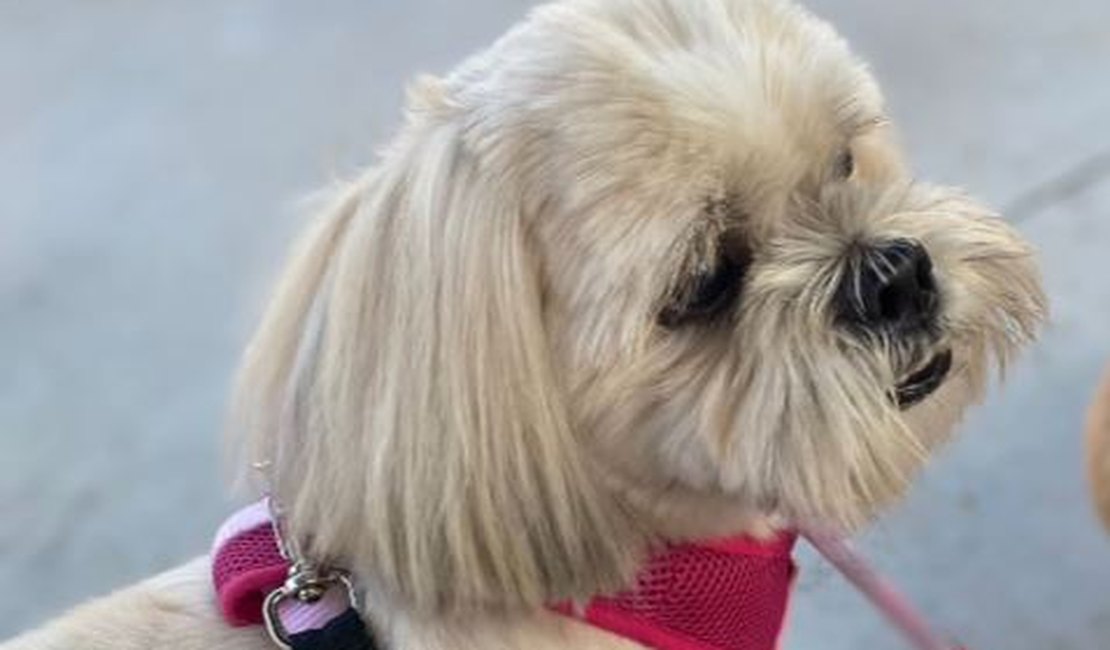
(722, 595)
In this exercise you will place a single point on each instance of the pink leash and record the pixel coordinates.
(888, 600)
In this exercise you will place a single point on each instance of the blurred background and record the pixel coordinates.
(151, 158)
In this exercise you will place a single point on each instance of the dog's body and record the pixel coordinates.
(645, 270)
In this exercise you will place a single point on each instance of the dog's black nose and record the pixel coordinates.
(889, 288)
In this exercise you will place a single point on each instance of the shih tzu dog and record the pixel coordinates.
(644, 272)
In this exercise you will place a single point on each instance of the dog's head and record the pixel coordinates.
(641, 258)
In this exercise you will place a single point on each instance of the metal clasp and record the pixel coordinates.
(306, 584)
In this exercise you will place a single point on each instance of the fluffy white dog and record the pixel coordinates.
(644, 270)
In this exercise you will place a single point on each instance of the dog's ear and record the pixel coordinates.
(402, 391)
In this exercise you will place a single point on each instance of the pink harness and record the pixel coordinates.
(728, 594)
(725, 595)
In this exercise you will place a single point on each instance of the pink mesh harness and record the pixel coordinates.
(723, 595)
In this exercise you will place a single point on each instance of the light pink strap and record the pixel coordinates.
(297, 617)
(888, 600)
(245, 520)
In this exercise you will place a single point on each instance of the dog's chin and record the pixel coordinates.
(922, 381)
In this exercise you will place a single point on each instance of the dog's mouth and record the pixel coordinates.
(922, 383)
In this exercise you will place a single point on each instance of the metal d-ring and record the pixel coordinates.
(306, 584)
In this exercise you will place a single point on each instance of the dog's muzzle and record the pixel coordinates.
(889, 293)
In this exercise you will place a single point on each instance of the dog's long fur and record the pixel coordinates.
(472, 388)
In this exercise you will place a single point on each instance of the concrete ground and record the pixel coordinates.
(150, 158)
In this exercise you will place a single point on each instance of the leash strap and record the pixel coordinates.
(347, 632)
(899, 611)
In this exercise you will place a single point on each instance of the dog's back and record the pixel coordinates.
(173, 610)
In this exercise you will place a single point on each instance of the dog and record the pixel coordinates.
(644, 271)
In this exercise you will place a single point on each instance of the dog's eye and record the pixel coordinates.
(845, 165)
(706, 295)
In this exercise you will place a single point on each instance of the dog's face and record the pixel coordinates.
(644, 245)
(747, 293)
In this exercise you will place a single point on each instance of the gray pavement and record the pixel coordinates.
(151, 156)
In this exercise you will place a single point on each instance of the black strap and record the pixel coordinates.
(347, 632)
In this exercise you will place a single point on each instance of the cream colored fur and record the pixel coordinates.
(463, 389)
